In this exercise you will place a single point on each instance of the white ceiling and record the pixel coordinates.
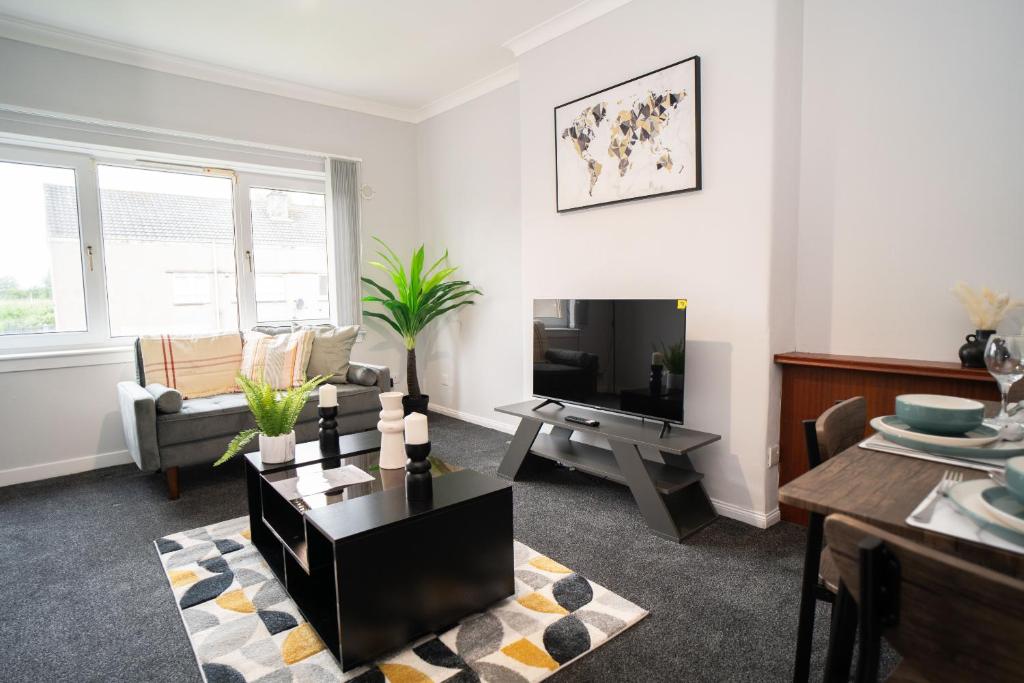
(404, 58)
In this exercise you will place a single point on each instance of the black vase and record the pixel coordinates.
(415, 404)
(972, 354)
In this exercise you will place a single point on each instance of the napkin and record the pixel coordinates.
(947, 519)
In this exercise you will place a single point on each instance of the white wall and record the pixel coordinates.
(46, 79)
(911, 171)
(712, 247)
(469, 203)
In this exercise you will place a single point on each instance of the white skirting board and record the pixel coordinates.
(740, 514)
(47, 470)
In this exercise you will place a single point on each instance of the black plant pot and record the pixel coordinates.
(972, 354)
(415, 404)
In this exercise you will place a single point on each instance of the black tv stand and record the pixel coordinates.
(666, 427)
(547, 402)
(656, 468)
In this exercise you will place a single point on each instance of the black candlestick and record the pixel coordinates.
(419, 484)
(329, 430)
(655, 385)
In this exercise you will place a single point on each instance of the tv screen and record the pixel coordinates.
(622, 355)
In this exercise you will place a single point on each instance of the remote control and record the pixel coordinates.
(581, 420)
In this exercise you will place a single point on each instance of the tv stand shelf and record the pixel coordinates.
(657, 470)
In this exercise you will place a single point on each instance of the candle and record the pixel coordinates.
(328, 396)
(416, 428)
(657, 358)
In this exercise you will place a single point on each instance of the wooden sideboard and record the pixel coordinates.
(811, 382)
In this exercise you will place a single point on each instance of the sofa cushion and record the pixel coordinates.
(167, 400)
(279, 360)
(360, 374)
(197, 366)
(228, 414)
(332, 351)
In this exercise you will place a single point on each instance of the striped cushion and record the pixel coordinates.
(280, 360)
(197, 366)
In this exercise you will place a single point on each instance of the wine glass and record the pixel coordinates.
(1004, 358)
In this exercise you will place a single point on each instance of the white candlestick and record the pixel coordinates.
(416, 428)
(328, 396)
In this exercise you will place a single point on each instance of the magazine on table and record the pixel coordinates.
(310, 482)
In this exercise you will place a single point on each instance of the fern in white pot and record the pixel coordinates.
(275, 413)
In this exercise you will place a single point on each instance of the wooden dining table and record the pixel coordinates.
(883, 489)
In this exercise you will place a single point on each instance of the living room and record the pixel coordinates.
(828, 187)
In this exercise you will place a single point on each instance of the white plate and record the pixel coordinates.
(967, 497)
(1002, 516)
(890, 424)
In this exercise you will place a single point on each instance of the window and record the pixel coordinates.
(159, 222)
(98, 251)
(41, 287)
(190, 289)
(289, 238)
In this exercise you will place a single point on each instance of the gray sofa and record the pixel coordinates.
(164, 439)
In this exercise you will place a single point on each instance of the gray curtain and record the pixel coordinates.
(343, 216)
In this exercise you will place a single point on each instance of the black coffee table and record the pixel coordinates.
(370, 570)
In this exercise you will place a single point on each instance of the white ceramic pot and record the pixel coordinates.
(275, 449)
(392, 431)
(674, 382)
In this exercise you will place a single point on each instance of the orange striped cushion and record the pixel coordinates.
(196, 366)
(280, 360)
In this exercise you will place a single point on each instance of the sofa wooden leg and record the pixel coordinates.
(171, 474)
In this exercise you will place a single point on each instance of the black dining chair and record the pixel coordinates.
(950, 620)
(835, 430)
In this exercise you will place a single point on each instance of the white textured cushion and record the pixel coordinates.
(280, 360)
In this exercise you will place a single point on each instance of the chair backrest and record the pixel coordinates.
(1016, 392)
(835, 430)
(950, 620)
(841, 426)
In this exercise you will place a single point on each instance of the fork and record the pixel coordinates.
(949, 479)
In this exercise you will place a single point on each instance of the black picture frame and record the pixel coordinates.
(697, 137)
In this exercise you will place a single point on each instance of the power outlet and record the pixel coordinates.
(773, 455)
(446, 380)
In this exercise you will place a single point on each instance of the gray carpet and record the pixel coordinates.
(83, 597)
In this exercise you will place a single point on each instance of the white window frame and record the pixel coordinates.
(247, 181)
(93, 281)
(98, 335)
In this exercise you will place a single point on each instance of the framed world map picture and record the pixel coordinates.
(640, 138)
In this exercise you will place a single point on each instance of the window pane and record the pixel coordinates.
(168, 241)
(41, 287)
(289, 238)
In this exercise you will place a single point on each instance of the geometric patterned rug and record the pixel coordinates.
(244, 627)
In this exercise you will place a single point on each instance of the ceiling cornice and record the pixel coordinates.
(70, 41)
(78, 43)
(499, 79)
(560, 24)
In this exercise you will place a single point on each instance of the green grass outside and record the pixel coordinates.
(21, 315)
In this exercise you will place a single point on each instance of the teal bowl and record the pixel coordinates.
(936, 414)
(1015, 476)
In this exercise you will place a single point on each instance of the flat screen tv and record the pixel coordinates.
(602, 353)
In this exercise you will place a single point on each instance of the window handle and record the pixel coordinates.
(88, 251)
(248, 257)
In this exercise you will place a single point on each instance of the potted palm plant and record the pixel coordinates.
(420, 296)
(275, 413)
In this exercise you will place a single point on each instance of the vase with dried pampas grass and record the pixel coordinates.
(986, 309)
